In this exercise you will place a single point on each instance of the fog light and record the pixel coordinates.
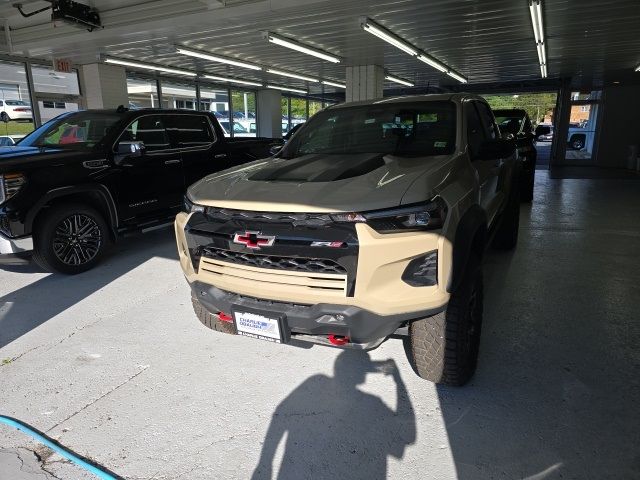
(422, 271)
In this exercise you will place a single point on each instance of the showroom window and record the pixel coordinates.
(216, 101)
(244, 113)
(61, 89)
(175, 94)
(143, 92)
(298, 111)
(16, 121)
(286, 125)
(314, 107)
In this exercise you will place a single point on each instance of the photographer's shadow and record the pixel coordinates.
(334, 430)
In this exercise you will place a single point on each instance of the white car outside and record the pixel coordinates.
(15, 110)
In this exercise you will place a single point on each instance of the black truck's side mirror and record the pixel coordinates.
(128, 150)
(492, 149)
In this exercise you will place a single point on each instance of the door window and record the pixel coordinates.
(150, 130)
(475, 130)
(188, 131)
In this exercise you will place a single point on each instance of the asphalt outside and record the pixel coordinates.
(114, 365)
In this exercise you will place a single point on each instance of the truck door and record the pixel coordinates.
(153, 184)
(202, 153)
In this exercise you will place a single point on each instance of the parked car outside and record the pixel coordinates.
(356, 231)
(544, 132)
(10, 140)
(71, 187)
(15, 110)
(516, 125)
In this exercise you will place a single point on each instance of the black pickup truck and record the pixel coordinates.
(72, 186)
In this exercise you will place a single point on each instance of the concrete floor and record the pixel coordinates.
(115, 366)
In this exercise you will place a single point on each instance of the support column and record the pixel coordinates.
(269, 113)
(364, 82)
(104, 86)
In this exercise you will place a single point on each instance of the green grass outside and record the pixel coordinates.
(16, 128)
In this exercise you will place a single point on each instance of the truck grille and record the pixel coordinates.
(238, 278)
(310, 265)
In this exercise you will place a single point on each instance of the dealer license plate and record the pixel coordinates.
(258, 326)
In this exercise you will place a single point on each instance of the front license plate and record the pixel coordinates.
(259, 326)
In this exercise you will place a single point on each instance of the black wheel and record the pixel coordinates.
(4, 117)
(210, 320)
(70, 238)
(506, 237)
(577, 142)
(444, 348)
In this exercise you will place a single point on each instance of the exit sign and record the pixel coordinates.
(62, 65)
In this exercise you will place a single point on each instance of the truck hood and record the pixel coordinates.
(19, 156)
(319, 183)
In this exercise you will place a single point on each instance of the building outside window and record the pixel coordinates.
(17, 120)
(143, 93)
(314, 107)
(298, 111)
(50, 86)
(244, 113)
(216, 101)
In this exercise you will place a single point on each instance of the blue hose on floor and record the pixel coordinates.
(84, 463)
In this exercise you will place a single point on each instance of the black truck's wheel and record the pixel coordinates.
(444, 348)
(577, 142)
(70, 238)
(210, 320)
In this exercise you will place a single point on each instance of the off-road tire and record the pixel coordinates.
(577, 142)
(210, 320)
(46, 238)
(444, 348)
(506, 236)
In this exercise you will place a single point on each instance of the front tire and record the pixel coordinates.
(4, 117)
(70, 239)
(444, 348)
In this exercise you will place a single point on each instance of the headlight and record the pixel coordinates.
(10, 184)
(189, 206)
(423, 216)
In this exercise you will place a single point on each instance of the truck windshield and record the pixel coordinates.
(75, 130)
(402, 129)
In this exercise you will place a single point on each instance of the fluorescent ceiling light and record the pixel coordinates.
(384, 34)
(284, 42)
(232, 80)
(292, 75)
(458, 77)
(433, 62)
(535, 10)
(216, 58)
(334, 84)
(148, 66)
(287, 89)
(401, 81)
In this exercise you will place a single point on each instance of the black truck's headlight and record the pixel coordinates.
(189, 206)
(10, 184)
(424, 216)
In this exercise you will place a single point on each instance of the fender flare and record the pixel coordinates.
(96, 188)
(472, 223)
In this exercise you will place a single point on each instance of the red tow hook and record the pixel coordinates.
(338, 340)
(223, 317)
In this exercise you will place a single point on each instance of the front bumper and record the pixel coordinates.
(313, 323)
(10, 246)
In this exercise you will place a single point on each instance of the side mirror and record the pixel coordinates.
(493, 149)
(275, 150)
(128, 150)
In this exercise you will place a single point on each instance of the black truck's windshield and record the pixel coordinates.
(75, 130)
(403, 129)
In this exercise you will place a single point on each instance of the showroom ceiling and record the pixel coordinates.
(488, 41)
